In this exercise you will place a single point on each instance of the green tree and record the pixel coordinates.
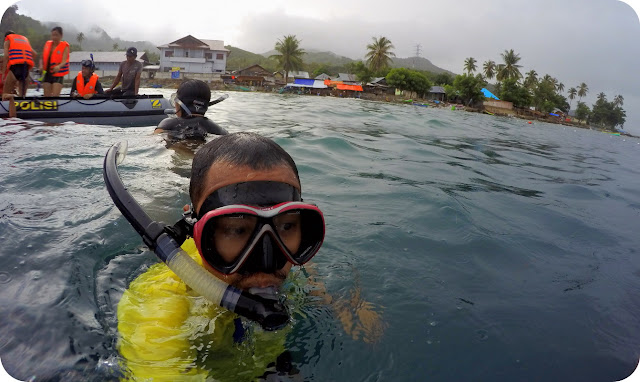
(560, 87)
(489, 69)
(582, 111)
(379, 54)
(531, 79)
(469, 88)
(513, 92)
(290, 57)
(606, 114)
(470, 65)
(443, 79)
(361, 71)
(451, 92)
(511, 69)
(398, 78)
(618, 100)
(80, 38)
(115, 47)
(572, 96)
(153, 57)
(419, 83)
(583, 89)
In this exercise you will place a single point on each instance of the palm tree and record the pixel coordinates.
(511, 68)
(583, 89)
(80, 38)
(618, 100)
(470, 65)
(290, 57)
(115, 47)
(602, 97)
(560, 87)
(572, 96)
(489, 68)
(379, 54)
(531, 78)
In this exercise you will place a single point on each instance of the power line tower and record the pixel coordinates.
(418, 52)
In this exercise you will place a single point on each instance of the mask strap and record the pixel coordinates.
(184, 107)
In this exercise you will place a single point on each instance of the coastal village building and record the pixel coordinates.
(254, 75)
(107, 63)
(194, 55)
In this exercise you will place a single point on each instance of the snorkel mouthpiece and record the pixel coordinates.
(269, 313)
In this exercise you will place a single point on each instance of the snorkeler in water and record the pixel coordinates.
(189, 123)
(249, 227)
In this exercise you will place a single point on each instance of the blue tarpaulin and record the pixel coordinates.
(488, 94)
(304, 81)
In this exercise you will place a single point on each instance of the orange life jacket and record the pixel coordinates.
(20, 51)
(89, 88)
(56, 57)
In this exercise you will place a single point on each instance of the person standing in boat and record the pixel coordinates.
(86, 83)
(18, 61)
(55, 63)
(129, 72)
(191, 102)
(10, 93)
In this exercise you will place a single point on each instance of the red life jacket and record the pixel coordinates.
(20, 51)
(89, 88)
(53, 58)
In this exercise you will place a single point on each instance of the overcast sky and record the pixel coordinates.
(592, 41)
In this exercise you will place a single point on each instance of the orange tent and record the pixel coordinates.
(357, 88)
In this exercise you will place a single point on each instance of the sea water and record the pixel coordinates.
(467, 247)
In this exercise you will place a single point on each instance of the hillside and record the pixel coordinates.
(239, 59)
(96, 39)
(418, 63)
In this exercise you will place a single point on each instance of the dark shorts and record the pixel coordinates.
(21, 71)
(52, 79)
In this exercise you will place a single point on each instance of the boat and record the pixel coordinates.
(123, 111)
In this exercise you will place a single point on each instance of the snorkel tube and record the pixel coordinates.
(270, 314)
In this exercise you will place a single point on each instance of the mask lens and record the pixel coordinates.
(302, 232)
(226, 236)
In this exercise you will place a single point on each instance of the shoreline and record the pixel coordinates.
(523, 114)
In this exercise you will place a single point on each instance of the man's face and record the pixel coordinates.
(223, 174)
(130, 58)
(86, 71)
(56, 36)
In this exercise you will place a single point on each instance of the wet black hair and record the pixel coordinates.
(9, 32)
(57, 29)
(195, 94)
(240, 149)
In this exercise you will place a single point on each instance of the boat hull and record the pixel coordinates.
(144, 110)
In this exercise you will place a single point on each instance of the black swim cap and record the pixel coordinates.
(195, 94)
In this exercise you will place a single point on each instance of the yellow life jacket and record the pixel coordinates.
(169, 333)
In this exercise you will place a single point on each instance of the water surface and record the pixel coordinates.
(491, 248)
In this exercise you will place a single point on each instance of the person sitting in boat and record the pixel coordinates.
(18, 63)
(189, 123)
(86, 83)
(129, 72)
(55, 63)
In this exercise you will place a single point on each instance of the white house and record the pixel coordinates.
(107, 63)
(193, 55)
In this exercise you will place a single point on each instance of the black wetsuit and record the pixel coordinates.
(194, 128)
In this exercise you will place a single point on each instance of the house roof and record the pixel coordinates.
(348, 77)
(437, 89)
(103, 57)
(191, 42)
(376, 80)
(323, 76)
(258, 69)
